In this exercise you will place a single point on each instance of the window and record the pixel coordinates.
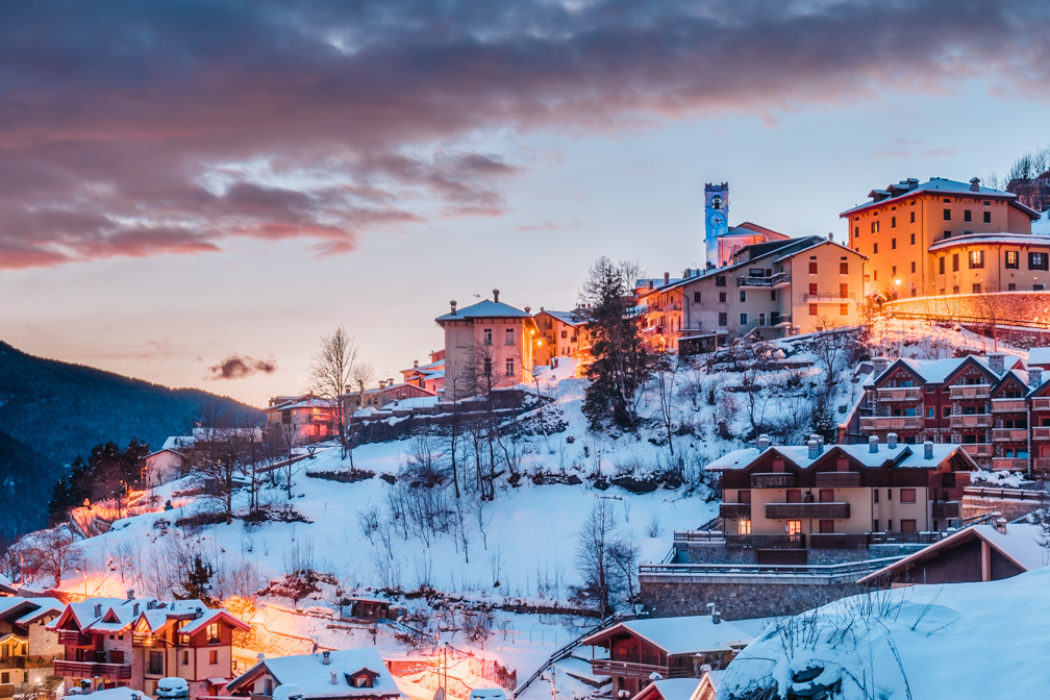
(893, 244)
(874, 525)
(721, 297)
(889, 494)
(976, 259)
(565, 334)
(908, 525)
(510, 367)
(761, 319)
(827, 495)
(720, 280)
(889, 525)
(988, 217)
(875, 248)
(843, 309)
(893, 270)
(723, 318)
(794, 528)
(913, 266)
(1010, 287)
(875, 494)
(213, 633)
(1012, 260)
(827, 526)
(947, 234)
(185, 658)
(772, 295)
(696, 297)
(967, 215)
(844, 290)
(156, 663)
(907, 495)
(931, 412)
(856, 231)
(486, 336)
(743, 527)
(812, 309)
(213, 656)
(874, 226)
(743, 295)
(813, 289)
(488, 367)
(946, 411)
(947, 214)
(508, 338)
(912, 220)
(955, 262)
(743, 496)
(913, 239)
(976, 287)
(875, 275)
(893, 222)
(794, 495)
(743, 319)
(844, 268)
(812, 267)
(1037, 261)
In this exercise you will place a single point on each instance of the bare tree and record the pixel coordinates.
(666, 376)
(53, 554)
(218, 461)
(592, 556)
(332, 371)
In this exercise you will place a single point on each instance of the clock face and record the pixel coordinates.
(717, 219)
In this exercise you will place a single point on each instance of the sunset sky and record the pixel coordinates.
(185, 182)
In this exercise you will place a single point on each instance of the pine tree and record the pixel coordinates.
(197, 582)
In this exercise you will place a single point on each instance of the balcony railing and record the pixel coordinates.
(839, 479)
(1009, 434)
(773, 280)
(787, 511)
(971, 420)
(891, 422)
(8, 662)
(1009, 406)
(1012, 464)
(73, 638)
(91, 669)
(970, 391)
(635, 669)
(1041, 432)
(777, 480)
(945, 509)
(978, 449)
(899, 393)
(735, 511)
(838, 540)
(828, 298)
(765, 541)
(1041, 403)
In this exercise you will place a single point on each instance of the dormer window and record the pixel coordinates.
(364, 678)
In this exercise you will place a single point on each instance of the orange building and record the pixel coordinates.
(947, 237)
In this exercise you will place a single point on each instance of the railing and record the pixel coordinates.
(1008, 405)
(90, 669)
(837, 540)
(1000, 493)
(141, 639)
(1041, 432)
(783, 511)
(969, 391)
(971, 420)
(635, 669)
(1012, 464)
(819, 298)
(763, 281)
(13, 662)
(777, 480)
(891, 422)
(839, 479)
(73, 638)
(945, 509)
(735, 511)
(827, 573)
(765, 541)
(1041, 403)
(899, 393)
(978, 449)
(1009, 434)
(700, 536)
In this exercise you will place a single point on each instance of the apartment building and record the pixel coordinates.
(947, 237)
(27, 648)
(978, 402)
(488, 345)
(112, 642)
(783, 287)
(839, 496)
(305, 419)
(563, 334)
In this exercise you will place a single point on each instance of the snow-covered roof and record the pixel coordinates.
(1039, 356)
(1041, 226)
(32, 609)
(679, 635)
(177, 442)
(116, 614)
(210, 616)
(5, 585)
(572, 318)
(486, 308)
(303, 402)
(905, 456)
(309, 672)
(936, 185)
(937, 371)
(118, 693)
(672, 688)
(997, 238)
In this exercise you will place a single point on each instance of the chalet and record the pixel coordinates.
(304, 419)
(976, 553)
(333, 675)
(27, 648)
(169, 462)
(111, 642)
(672, 647)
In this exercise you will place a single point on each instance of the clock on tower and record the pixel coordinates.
(716, 217)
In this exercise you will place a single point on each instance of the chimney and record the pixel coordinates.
(495, 295)
(975, 185)
(98, 609)
(891, 441)
(528, 309)
(814, 448)
(335, 677)
(452, 305)
(326, 657)
(667, 278)
(131, 594)
(927, 450)
(880, 364)
(135, 610)
(415, 364)
(763, 441)
(820, 442)
(1035, 376)
(1000, 525)
(996, 362)
(873, 444)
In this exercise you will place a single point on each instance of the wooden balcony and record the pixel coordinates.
(792, 511)
(1041, 403)
(980, 449)
(764, 281)
(1012, 464)
(635, 669)
(9, 662)
(91, 669)
(73, 638)
(838, 479)
(900, 393)
(879, 423)
(1041, 432)
(735, 511)
(942, 510)
(969, 391)
(774, 480)
(971, 420)
(1009, 406)
(1009, 434)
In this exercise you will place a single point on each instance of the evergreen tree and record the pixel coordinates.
(196, 584)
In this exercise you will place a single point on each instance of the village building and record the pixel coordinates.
(430, 376)
(357, 674)
(977, 553)
(488, 345)
(27, 648)
(6, 588)
(133, 642)
(780, 288)
(169, 462)
(385, 395)
(563, 334)
(1033, 192)
(670, 689)
(303, 419)
(638, 651)
(722, 241)
(947, 237)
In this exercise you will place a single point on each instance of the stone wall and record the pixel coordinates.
(742, 598)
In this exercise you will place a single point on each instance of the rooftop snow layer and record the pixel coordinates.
(682, 635)
(907, 456)
(1039, 356)
(315, 677)
(486, 308)
(1003, 237)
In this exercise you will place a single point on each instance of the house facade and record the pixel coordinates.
(27, 648)
(306, 419)
(947, 237)
(112, 642)
(563, 334)
(430, 376)
(488, 345)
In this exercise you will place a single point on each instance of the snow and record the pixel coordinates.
(1039, 356)
(682, 635)
(1001, 238)
(1041, 226)
(937, 641)
(485, 308)
(677, 688)
(903, 456)
(1023, 543)
(6, 585)
(119, 693)
(309, 672)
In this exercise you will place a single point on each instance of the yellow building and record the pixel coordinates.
(947, 237)
(563, 334)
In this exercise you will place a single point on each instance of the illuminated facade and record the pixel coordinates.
(563, 334)
(307, 418)
(27, 648)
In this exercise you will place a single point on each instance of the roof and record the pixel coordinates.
(902, 456)
(937, 371)
(1039, 356)
(935, 185)
(209, 617)
(678, 635)
(303, 402)
(753, 228)
(1022, 544)
(118, 693)
(175, 442)
(119, 613)
(309, 672)
(486, 308)
(998, 238)
(670, 689)
(572, 318)
(5, 585)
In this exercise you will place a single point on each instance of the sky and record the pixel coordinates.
(194, 193)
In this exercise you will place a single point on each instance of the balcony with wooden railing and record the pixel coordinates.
(92, 669)
(636, 669)
(1041, 403)
(773, 480)
(765, 541)
(1009, 406)
(790, 511)
(838, 479)
(1041, 432)
(1041, 464)
(735, 511)
(1013, 464)
(980, 449)
(971, 420)
(878, 423)
(10, 662)
(969, 391)
(73, 638)
(827, 298)
(1009, 434)
(899, 393)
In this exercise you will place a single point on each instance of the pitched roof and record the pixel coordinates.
(116, 614)
(678, 635)
(901, 456)
(309, 672)
(1039, 356)
(572, 318)
(1002, 238)
(936, 185)
(669, 689)
(5, 585)
(486, 308)
(118, 693)
(938, 371)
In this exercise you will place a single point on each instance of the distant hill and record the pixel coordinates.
(59, 410)
(24, 475)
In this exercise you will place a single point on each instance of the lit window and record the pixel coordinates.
(976, 259)
(794, 527)
(1012, 260)
(743, 527)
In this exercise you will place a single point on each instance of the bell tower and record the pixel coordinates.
(716, 218)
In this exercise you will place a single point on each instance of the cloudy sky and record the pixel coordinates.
(194, 192)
